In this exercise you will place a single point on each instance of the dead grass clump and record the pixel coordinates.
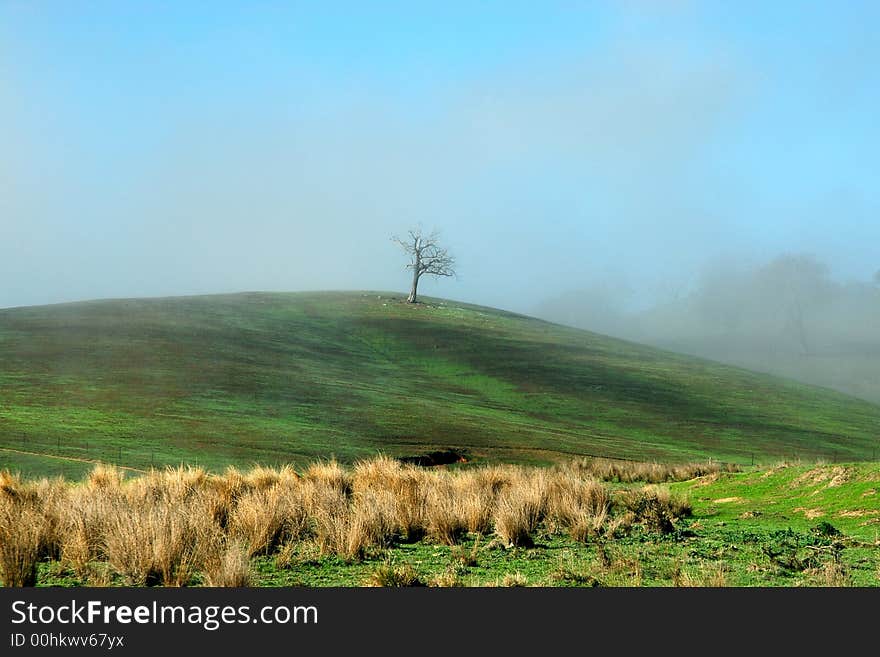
(330, 474)
(831, 573)
(521, 508)
(400, 489)
(182, 483)
(51, 497)
(410, 494)
(587, 525)
(22, 532)
(653, 473)
(477, 494)
(389, 574)
(576, 505)
(10, 483)
(104, 476)
(444, 520)
(264, 518)
(159, 543)
(463, 557)
(222, 492)
(84, 528)
(511, 580)
(446, 579)
(228, 566)
(655, 508)
(330, 516)
(372, 522)
(377, 472)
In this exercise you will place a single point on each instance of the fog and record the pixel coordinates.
(787, 316)
(638, 169)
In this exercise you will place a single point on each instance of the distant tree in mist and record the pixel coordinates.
(779, 300)
(426, 257)
(787, 316)
(798, 285)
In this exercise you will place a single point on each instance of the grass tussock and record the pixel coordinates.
(521, 506)
(159, 543)
(391, 575)
(265, 517)
(228, 566)
(21, 538)
(445, 522)
(655, 508)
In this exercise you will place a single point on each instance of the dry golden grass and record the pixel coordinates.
(228, 566)
(180, 526)
(22, 533)
(478, 493)
(389, 574)
(445, 522)
(160, 542)
(652, 473)
(330, 474)
(85, 526)
(522, 506)
(577, 505)
(446, 579)
(105, 476)
(706, 574)
(511, 580)
(264, 518)
(400, 493)
(655, 507)
(10, 483)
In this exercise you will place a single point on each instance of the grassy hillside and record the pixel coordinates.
(274, 378)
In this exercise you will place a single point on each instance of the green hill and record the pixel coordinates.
(271, 378)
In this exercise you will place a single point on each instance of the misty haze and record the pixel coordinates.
(787, 316)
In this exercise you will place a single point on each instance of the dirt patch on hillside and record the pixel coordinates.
(834, 476)
(810, 514)
(857, 513)
(772, 471)
(728, 500)
(705, 480)
(869, 492)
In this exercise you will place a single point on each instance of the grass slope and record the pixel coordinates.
(274, 378)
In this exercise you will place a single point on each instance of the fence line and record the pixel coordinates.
(140, 457)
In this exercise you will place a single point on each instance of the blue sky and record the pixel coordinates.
(159, 148)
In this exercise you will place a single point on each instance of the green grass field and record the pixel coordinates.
(290, 378)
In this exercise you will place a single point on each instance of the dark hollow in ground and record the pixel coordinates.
(431, 459)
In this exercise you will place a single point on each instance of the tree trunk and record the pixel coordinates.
(415, 284)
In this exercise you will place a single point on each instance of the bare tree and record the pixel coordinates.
(426, 257)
